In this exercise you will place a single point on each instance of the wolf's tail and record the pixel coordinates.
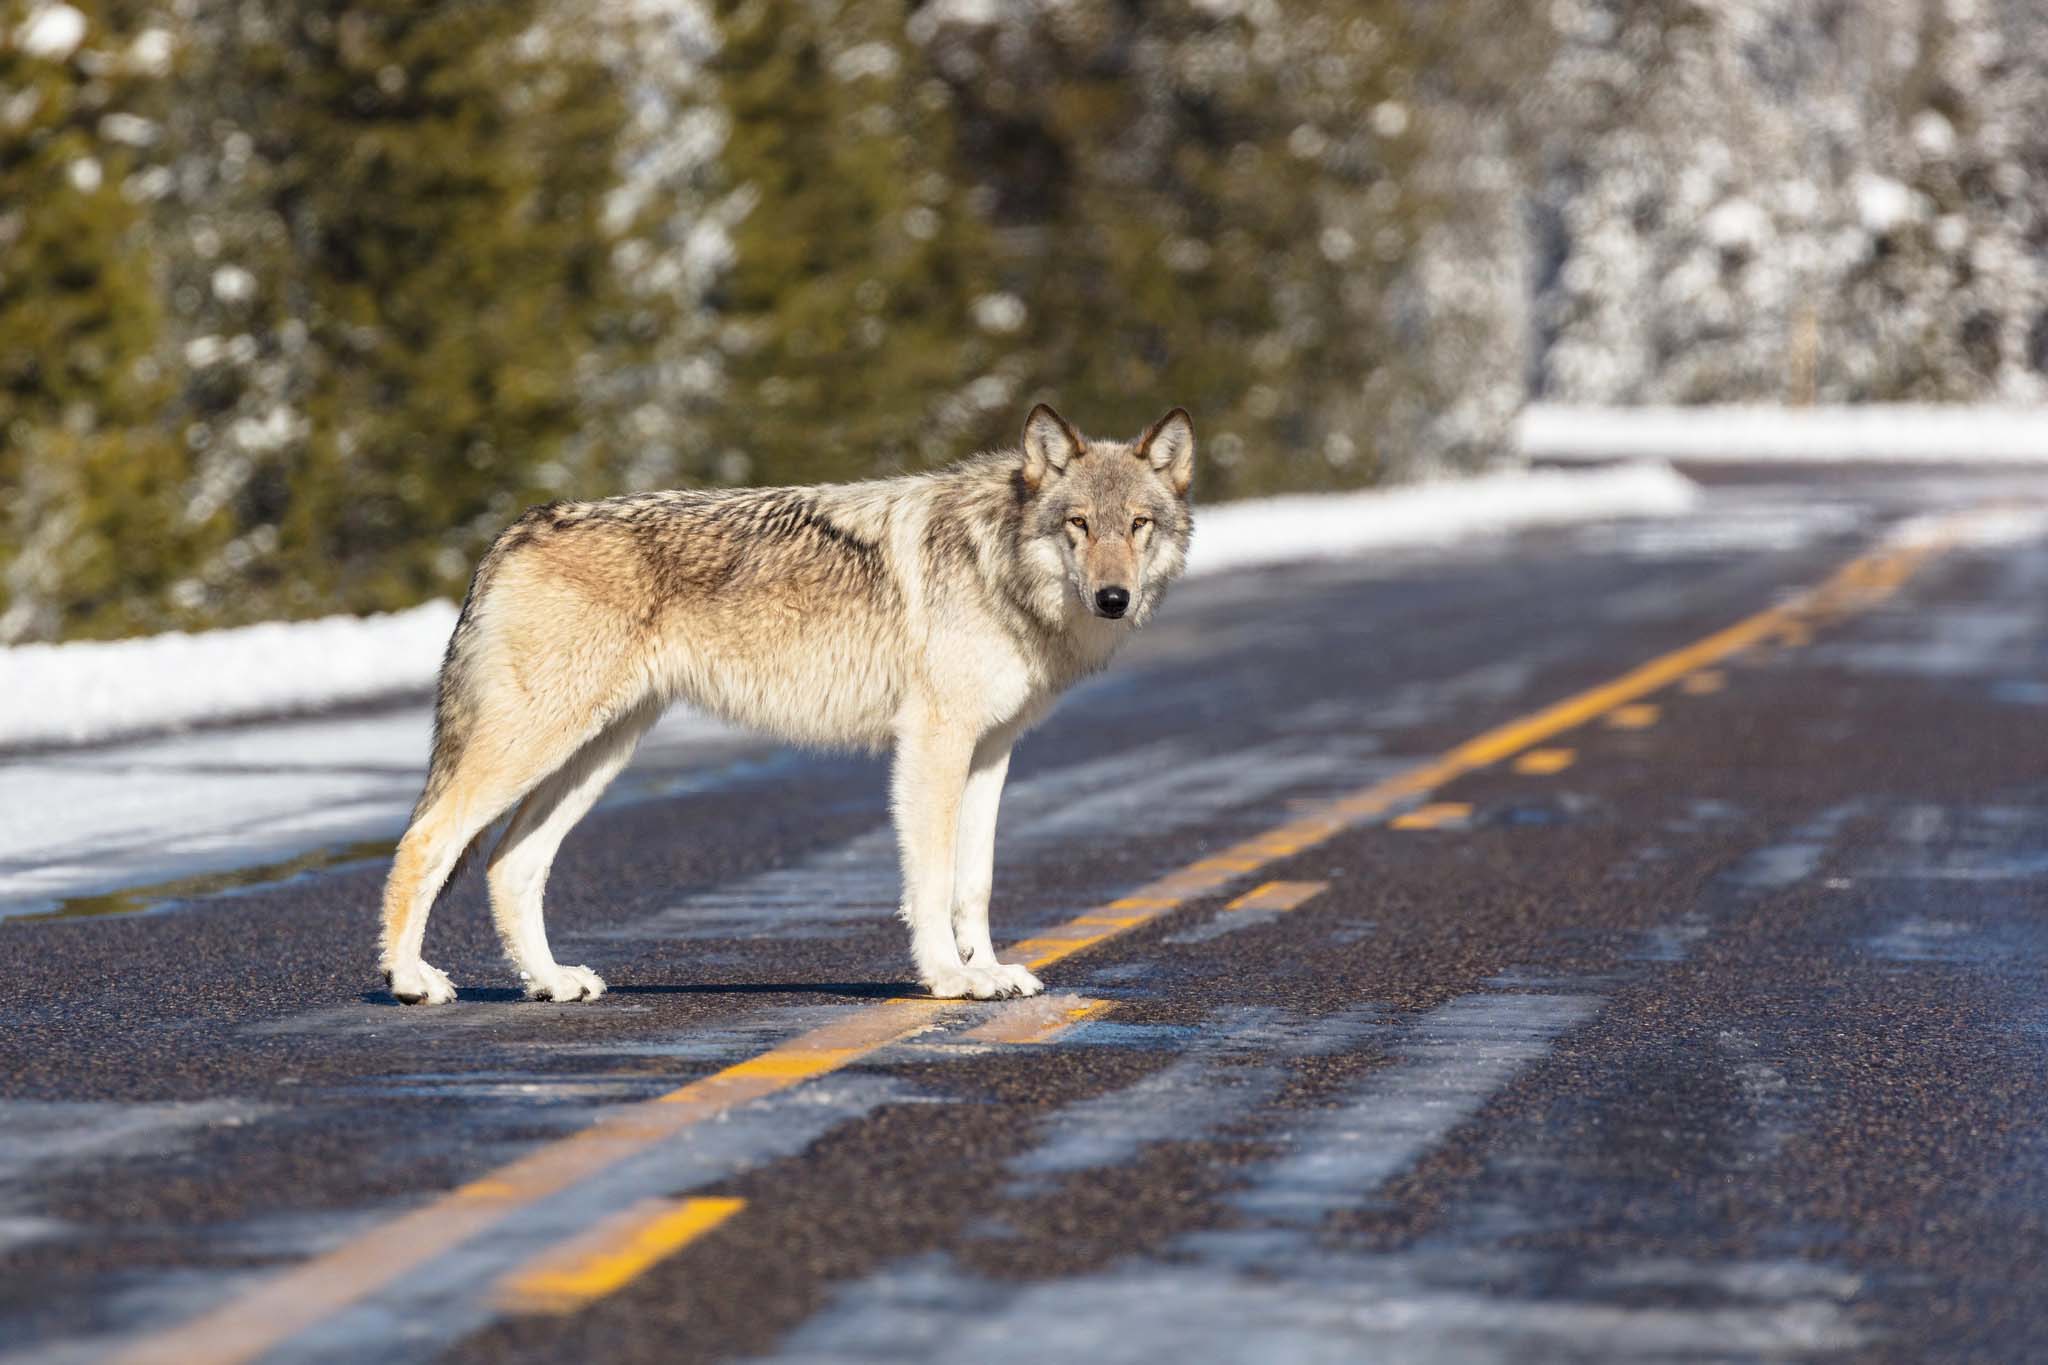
(455, 708)
(451, 734)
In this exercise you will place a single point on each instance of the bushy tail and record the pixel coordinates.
(448, 745)
(454, 710)
(455, 703)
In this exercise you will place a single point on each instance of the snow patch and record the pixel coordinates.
(91, 691)
(52, 33)
(1737, 225)
(1883, 432)
(1882, 202)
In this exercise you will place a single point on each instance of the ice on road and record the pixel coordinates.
(84, 823)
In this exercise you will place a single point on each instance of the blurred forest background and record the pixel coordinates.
(301, 300)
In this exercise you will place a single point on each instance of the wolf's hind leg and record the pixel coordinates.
(432, 846)
(974, 863)
(502, 761)
(519, 867)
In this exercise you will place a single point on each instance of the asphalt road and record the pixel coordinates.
(1398, 1012)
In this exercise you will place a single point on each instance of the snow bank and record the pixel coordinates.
(91, 690)
(1892, 433)
(1238, 535)
(75, 693)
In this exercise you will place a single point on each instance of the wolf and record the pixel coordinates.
(939, 614)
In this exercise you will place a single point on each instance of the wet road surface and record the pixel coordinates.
(1620, 943)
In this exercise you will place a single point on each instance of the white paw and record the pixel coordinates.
(980, 983)
(418, 984)
(1022, 982)
(563, 984)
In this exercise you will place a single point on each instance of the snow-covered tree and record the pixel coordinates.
(391, 261)
(1205, 202)
(1768, 199)
(92, 526)
(846, 315)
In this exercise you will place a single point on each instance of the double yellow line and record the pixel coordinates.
(296, 1299)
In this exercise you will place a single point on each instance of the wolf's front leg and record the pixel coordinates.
(932, 764)
(974, 863)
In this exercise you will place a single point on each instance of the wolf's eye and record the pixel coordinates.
(1139, 523)
(1078, 523)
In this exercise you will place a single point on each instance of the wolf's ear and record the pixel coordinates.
(1048, 444)
(1168, 445)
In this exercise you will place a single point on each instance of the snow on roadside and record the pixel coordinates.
(90, 691)
(1237, 535)
(1883, 432)
(1983, 528)
(93, 689)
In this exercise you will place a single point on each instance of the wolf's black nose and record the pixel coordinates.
(1112, 601)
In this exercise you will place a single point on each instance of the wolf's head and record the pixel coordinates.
(1107, 521)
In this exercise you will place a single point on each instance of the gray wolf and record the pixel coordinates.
(940, 614)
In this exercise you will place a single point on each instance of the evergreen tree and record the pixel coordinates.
(847, 316)
(1776, 201)
(1209, 206)
(399, 275)
(92, 529)
(646, 404)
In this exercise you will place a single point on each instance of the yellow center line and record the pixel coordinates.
(1543, 762)
(611, 1253)
(1435, 815)
(1040, 1019)
(1640, 715)
(1703, 682)
(792, 1066)
(288, 1303)
(1282, 896)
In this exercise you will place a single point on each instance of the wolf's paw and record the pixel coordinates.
(419, 984)
(1022, 982)
(563, 984)
(979, 983)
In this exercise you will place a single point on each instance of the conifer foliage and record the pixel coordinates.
(846, 318)
(401, 274)
(1204, 203)
(92, 519)
(300, 300)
